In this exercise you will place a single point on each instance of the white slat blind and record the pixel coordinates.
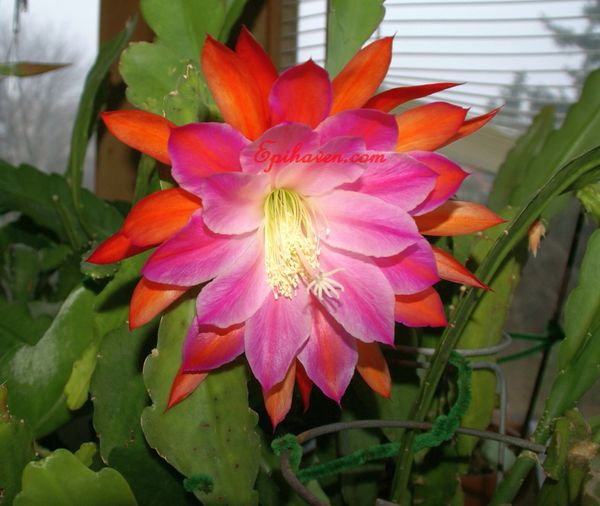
(507, 52)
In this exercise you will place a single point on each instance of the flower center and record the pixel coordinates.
(291, 243)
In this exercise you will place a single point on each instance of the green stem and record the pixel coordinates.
(560, 182)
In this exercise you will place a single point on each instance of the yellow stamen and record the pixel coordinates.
(292, 247)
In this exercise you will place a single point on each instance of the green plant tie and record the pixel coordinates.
(202, 482)
(444, 426)
(442, 430)
(288, 443)
(355, 459)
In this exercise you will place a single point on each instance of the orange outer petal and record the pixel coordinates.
(428, 127)
(114, 249)
(362, 75)
(423, 309)
(452, 270)
(234, 88)
(263, 70)
(304, 384)
(183, 385)
(149, 299)
(158, 216)
(373, 368)
(472, 125)
(457, 217)
(390, 99)
(144, 131)
(278, 399)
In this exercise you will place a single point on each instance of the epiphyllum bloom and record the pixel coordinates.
(308, 265)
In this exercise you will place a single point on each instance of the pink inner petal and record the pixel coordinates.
(366, 305)
(378, 129)
(327, 168)
(236, 295)
(450, 177)
(277, 147)
(411, 271)
(329, 356)
(365, 224)
(194, 255)
(233, 203)
(274, 335)
(198, 150)
(399, 180)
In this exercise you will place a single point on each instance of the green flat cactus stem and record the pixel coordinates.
(562, 181)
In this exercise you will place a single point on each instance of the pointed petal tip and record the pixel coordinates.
(183, 386)
(114, 249)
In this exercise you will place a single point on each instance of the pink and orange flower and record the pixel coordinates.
(307, 266)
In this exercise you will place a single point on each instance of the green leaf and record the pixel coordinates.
(119, 397)
(577, 135)
(61, 479)
(212, 431)
(36, 375)
(589, 196)
(182, 25)
(46, 199)
(77, 387)
(349, 25)
(18, 326)
(164, 77)
(22, 270)
(16, 450)
(582, 309)
(89, 106)
(484, 329)
(513, 170)
(118, 390)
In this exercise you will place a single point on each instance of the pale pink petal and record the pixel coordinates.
(236, 295)
(198, 150)
(366, 304)
(450, 177)
(378, 129)
(278, 147)
(233, 203)
(399, 180)
(327, 168)
(206, 348)
(411, 271)
(289, 99)
(365, 224)
(194, 255)
(329, 356)
(274, 335)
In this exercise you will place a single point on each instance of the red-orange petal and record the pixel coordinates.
(373, 368)
(450, 269)
(144, 131)
(114, 249)
(422, 309)
(304, 384)
(234, 89)
(158, 216)
(278, 399)
(428, 127)
(390, 99)
(250, 51)
(472, 125)
(183, 385)
(457, 217)
(362, 75)
(150, 299)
